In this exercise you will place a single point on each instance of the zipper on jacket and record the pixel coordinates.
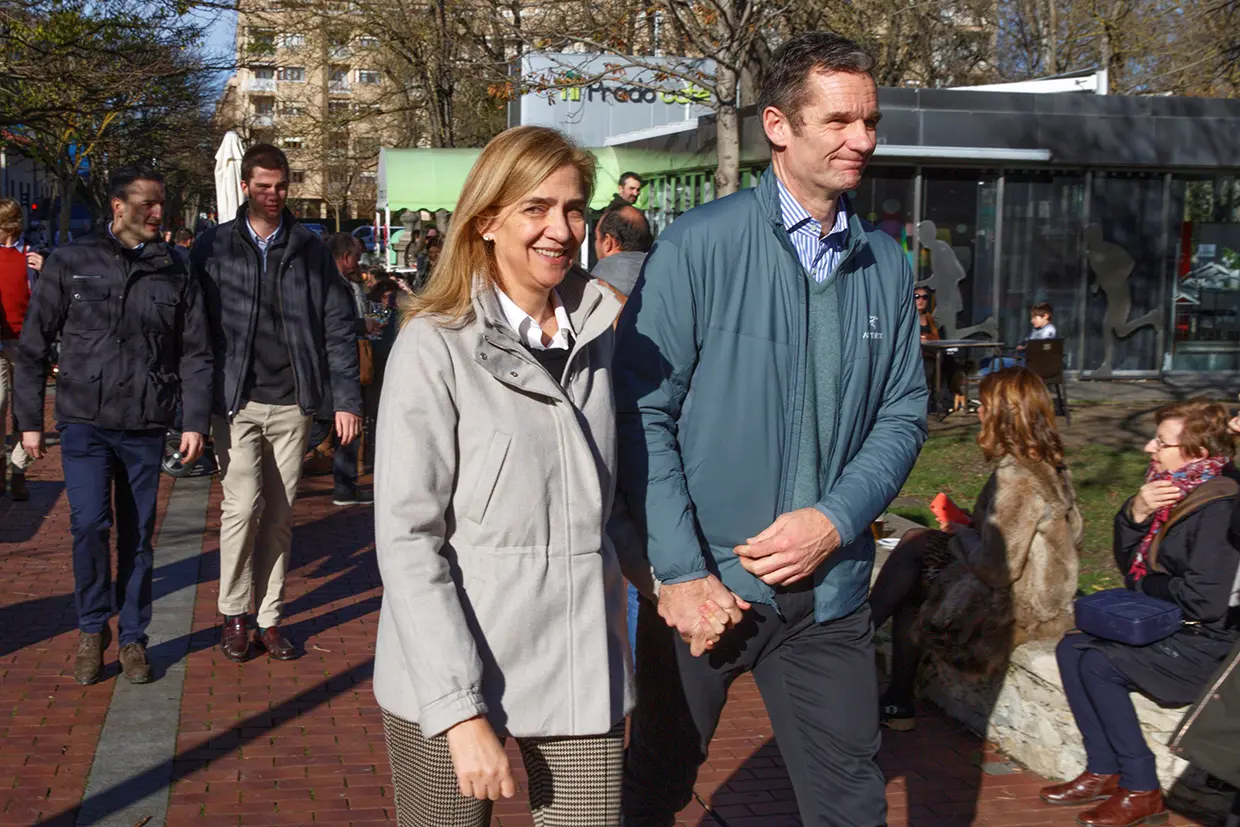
(251, 327)
(292, 365)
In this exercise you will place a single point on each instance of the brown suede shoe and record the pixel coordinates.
(235, 641)
(277, 645)
(17, 485)
(134, 665)
(1084, 789)
(88, 665)
(1127, 809)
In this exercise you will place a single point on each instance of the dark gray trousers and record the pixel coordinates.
(820, 687)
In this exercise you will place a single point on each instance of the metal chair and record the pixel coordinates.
(1045, 358)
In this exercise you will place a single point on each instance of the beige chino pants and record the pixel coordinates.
(260, 454)
(20, 459)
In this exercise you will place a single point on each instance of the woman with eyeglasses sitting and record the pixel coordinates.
(1172, 543)
(923, 298)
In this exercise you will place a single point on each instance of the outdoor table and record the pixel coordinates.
(941, 346)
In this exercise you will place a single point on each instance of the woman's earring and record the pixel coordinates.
(490, 239)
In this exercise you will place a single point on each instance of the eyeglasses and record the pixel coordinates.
(1160, 444)
(921, 297)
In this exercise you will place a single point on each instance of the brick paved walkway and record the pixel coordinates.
(267, 743)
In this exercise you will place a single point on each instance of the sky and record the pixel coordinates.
(220, 38)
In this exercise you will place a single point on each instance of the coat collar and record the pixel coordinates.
(293, 233)
(768, 198)
(154, 255)
(590, 308)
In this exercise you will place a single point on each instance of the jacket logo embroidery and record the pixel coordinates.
(873, 332)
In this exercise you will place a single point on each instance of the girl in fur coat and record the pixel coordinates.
(971, 593)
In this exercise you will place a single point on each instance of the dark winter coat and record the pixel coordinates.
(1209, 735)
(133, 338)
(1194, 566)
(318, 314)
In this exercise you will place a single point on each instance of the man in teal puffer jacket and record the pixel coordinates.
(772, 401)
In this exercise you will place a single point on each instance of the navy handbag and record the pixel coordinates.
(1128, 617)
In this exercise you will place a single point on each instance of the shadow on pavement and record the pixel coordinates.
(246, 731)
(21, 522)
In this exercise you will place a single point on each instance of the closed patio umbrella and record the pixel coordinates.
(228, 195)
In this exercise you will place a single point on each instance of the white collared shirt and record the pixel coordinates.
(527, 328)
(820, 254)
(263, 243)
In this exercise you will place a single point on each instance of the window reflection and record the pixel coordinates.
(1207, 285)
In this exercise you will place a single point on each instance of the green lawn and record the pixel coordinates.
(1104, 476)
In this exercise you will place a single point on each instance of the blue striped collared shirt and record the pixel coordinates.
(818, 253)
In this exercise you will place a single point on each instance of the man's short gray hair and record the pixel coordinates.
(785, 85)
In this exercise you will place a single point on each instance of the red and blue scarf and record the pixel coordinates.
(1185, 479)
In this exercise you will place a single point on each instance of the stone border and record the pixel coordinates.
(133, 762)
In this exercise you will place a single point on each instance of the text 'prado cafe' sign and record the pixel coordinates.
(595, 97)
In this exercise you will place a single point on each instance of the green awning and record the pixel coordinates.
(431, 179)
(422, 179)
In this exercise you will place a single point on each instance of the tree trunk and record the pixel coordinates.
(727, 135)
(66, 207)
(1052, 40)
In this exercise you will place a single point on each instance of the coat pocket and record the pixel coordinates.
(88, 306)
(77, 394)
(488, 477)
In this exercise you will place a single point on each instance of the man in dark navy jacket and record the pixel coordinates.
(134, 340)
(283, 326)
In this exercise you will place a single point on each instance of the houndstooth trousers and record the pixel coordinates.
(573, 782)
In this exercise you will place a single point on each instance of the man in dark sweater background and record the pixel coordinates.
(283, 329)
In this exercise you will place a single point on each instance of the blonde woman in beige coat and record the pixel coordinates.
(504, 603)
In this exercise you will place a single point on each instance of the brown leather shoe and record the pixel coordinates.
(134, 665)
(1127, 809)
(235, 640)
(1084, 789)
(277, 645)
(88, 665)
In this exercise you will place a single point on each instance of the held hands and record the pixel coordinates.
(192, 446)
(700, 610)
(32, 443)
(791, 548)
(348, 426)
(1152, 497)
(482, 769)
(34, 261)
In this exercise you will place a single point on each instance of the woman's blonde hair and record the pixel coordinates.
(1019, 417)
(513, 163)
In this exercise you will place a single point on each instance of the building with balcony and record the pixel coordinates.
(312, 85)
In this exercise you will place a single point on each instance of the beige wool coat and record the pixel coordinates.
(502, 594)
(1016, 570)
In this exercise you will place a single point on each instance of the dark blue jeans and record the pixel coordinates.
(1098, 696)
(101, 466)
(344, 458)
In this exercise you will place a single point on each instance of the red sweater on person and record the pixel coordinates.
(14, 291)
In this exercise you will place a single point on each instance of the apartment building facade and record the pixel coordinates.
(310, 82)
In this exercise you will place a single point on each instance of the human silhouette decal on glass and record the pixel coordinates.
(1113, 266)
(946, 273)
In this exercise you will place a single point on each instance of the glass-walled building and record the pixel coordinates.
(1122, 213)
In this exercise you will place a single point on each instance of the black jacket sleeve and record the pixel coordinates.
(195, 371)
(1203, 571)
(1128, 537)
(339, 318)
(44, 319)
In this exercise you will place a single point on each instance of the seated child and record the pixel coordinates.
(1040, 316)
